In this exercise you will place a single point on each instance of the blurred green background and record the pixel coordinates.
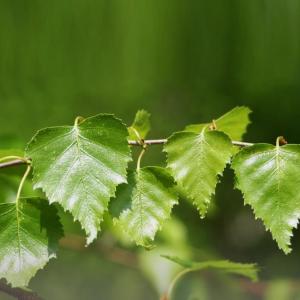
(183, 61)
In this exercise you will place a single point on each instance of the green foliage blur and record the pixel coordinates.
(185, 62)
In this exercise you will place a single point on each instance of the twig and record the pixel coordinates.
(12, 163)
(163, 141)
(148, 142)
(18, 293)
(17, 162)
(242, 144)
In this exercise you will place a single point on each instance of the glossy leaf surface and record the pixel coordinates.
(145, 203)
(29, 234)
(80, 166)
(268, 177)
(196, 161)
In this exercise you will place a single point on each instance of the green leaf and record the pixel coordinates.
(196, 161)
(141, 126)
(30, 230)
(234, 123)
(80, 166)
(196, 128)
(145, 203)
(247, 270)
(268, 176)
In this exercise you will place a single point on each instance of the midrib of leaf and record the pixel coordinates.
(76, 142)
(278, 172)
(198, 145)
(64, 176)
(79, 151)
(141, 206)
(278, 176)
(56, 160)
(201, 141)
(18, 232)
(18, 213)
(77, 132)
(136, 133)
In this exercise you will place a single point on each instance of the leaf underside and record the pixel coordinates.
(145, 203)
(234, 123)
(196, 161)
(141, 126)
(80, 166)
(247, 270)
(269, 178)
(29, 236)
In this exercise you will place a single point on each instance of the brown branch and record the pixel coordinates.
(242, 144)
(163, 141)
(18, 293)
(17, 162)
(148, 142)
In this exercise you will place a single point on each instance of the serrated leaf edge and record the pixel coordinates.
(218, 177)
(90, 238)
(237, 187)
(42, 267)
(116, 220)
